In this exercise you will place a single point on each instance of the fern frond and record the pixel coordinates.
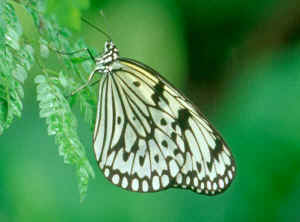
(62, 124)
(15, 61)
(70, 76)
(16, 58)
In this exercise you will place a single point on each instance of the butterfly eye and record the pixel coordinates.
(106, 45)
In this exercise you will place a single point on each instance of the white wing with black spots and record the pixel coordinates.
(149, 137)
(130, 151)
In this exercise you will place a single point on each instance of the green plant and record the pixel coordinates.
(18, 54)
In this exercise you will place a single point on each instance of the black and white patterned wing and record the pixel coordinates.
(128, 148)
(149, 137)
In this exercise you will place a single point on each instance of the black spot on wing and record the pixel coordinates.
(176, 151)
(164, 143)
(173, 136)
(125, 156)
(163, 122)
(158, 93)
(210, 165)
(199, 167)
(119, 119)
(136, 83)
(183, 117)
(135, 147)
(142, 160)
(120, 144)
(173, 125)
(215, 151)
(156, 158)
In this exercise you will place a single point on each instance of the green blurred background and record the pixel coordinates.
(239, 61)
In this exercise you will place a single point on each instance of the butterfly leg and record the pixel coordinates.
(86, 84)
(75, 52)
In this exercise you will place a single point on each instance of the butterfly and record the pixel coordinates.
(149, 137)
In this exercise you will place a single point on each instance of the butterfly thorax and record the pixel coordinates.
(105, 62)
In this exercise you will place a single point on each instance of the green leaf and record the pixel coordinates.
(15, 61)
(19, 73)
(53, 86)
(62, 124)
(44, 50)
(12, 38)
(2, 26)
(27, 57)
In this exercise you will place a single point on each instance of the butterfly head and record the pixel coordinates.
(110, 54)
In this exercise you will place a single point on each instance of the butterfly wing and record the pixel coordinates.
(127, 146)
(149, 137)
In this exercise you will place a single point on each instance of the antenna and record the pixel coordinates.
(101, 12)
(97, 28)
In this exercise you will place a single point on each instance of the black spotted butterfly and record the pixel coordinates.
(149, 137)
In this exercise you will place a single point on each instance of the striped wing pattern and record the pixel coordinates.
(149, 137)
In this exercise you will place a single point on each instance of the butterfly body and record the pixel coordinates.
(149, 137)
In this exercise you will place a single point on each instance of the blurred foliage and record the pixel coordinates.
(52, 85)
(262, 111)
(68, 11)
(238, 60)
(16, 59)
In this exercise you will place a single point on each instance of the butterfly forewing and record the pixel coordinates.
(126, 145)
(149, 137)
